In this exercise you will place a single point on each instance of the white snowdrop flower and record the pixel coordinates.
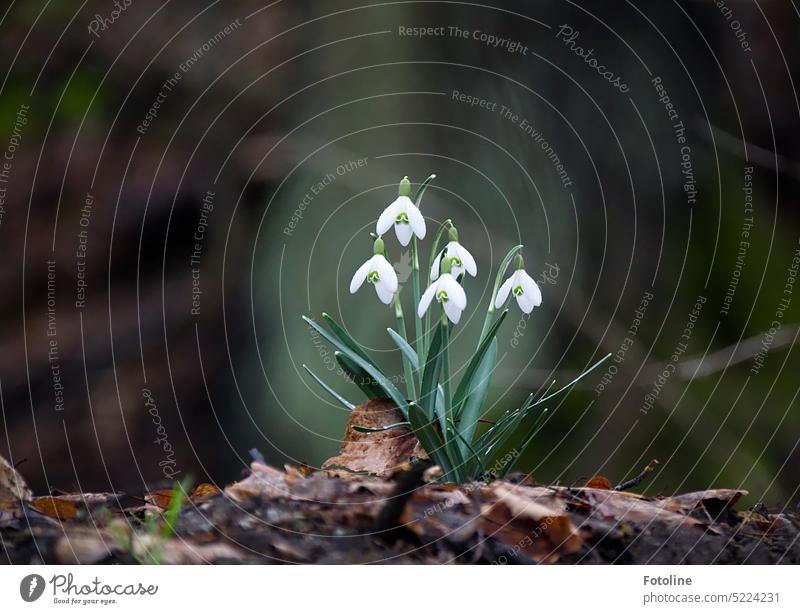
(404, 215)
(523, 287)
(379, 273)
(460, 259)
(449, 293)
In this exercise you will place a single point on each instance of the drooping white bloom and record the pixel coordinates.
(406, 218)
(449, 293)
(380, 274)
(524, 288)
(460, 260)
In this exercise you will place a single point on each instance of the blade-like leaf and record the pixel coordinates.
(471, 410)
(390, 389)
(423, 186)
(329, 390)
(471, 463)
(526, 441)
(359, 377)
(497, 436)
(430, 375)
(378, 429)
(344, 337)
(427, 436)
(466, 384)
(405, 348)
(573, 382)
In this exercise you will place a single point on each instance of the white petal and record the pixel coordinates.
(426, 299)
(525, 303)
(455, 293)
(415, 219)
(502, 293)
(531, 289)
(452, 311)
(388, 217)
(386, 272)
(360, 276)
(437, 265)
(384, 293)
(403, 232)
(467, 260)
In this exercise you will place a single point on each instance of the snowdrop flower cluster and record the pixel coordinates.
(449, 267)
(443, 417)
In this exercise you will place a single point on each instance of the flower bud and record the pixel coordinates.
(445, 266)
(453, 233)
(404, 189)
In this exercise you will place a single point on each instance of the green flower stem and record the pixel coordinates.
(445, 378)
(420, 341)
(411, 389)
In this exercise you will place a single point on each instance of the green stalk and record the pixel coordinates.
(434, 250)
(411, 389)
(421, 338)
(415, 285)
(448, 397)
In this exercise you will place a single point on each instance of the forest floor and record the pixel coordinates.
(294, 516)
(390, 511)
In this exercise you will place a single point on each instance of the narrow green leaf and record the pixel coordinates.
(430, 375)
(389, 388)
(573, 382)
(526, 441)
(359, 376)
(421, 190)
(344, 337)
(379, 429)
(329, 390)
(471, 409)
(428, 437)
(405, 348)
(466, 384)
(472, 465)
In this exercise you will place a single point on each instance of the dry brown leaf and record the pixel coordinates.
(55, 507)
(379, 453)
(205, 490)
(262, 481)
(12, 487)
(160, 498)
(536, 526)
(623, 507)
(600, 482)
(690, 500)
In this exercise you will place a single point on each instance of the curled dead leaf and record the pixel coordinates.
(376, 452)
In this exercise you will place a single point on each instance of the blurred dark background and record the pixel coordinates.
(153, 279)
